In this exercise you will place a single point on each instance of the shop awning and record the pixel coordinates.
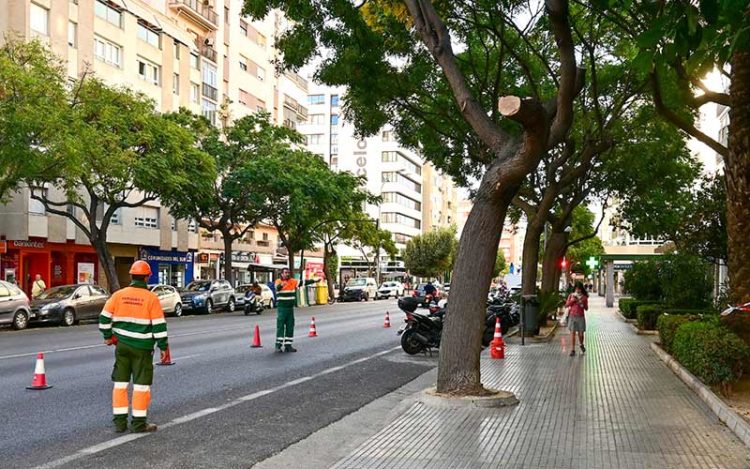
(254, 267)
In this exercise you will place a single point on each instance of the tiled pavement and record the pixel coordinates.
(616, 407)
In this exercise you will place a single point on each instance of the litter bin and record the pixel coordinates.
(322, 293)
(312, 295)
(530, 314)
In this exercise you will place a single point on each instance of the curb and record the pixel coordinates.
(729, 417)
(431, 398)
(624, 319)
(642, 331)
(516, 332)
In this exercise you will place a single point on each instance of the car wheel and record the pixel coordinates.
(68, 318)
(178, 310)
(231, 305)
(209, 306)
(20, 320)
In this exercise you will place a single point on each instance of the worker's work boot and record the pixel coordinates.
(139, 425)
(289, 348)
(121, 423)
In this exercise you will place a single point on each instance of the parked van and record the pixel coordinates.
(359, 289)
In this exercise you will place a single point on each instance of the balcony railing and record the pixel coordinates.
(199, 11)
(208, 52)
(210, 92)
(295, 106)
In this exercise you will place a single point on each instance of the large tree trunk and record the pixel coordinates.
(228, 273)
(107, 262)
(553, 255)
(530, 258)
(737, 169)
(458, 370)
(327, 258)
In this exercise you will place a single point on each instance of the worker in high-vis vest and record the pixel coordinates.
(286, 291)
(134, 322)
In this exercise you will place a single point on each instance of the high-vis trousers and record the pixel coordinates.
(284, 326)
(138, 364)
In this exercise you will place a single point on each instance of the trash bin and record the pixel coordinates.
(530, 314)
(312, 295)
(322, 293)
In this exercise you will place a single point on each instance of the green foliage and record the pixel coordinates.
(430, 254)
(647, 316)
(33, 109)
(667, 324)
(642, 281)
(711, 352)
(703, 222)
(549, 302)
(623, 304)
(629, 306)
(584, 245)
(685, 281)
(501, 267)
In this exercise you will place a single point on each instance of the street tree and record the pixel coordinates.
(229, 202)
(487, 112)
(123, 155)
(501, 266)
(679, 44)
(33, 105)
(431, 254)
(371, 240)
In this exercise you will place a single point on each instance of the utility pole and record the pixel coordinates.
(377, 254)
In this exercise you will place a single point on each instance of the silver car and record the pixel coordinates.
(169, 297)
(14, 306)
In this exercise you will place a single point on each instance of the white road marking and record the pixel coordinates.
(202, 413)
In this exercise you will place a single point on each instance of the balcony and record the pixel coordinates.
(210, 92)
(293, 105)
(199, 11)
(207, 52)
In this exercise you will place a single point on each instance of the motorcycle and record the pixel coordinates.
(421, 331)
(253, 304)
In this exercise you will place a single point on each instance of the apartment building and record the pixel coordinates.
(198, 54)
(415, 197)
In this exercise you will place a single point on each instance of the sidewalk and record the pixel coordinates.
(616, 407)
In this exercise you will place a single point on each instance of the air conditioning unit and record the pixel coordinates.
(209, 41)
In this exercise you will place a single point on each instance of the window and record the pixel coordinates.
(261, 105)
(243, 64)
(334, 149)
(334, 161)
(72, 34)
(260, 39)
(409, 165)
(208, 109)
(316, 118)
(334, 139)
(210, 76)
(147, 217)
(244, 98)
(315, 139)
(146, 34)
(390, 156)
(36, 207)
(174, 224)
(176, 83)
(194, 61)
(400, 218)
(316, 99)
(148, 71)
(260, 73)
(334, 100)
(176, 50)
(401, 238)
(408, 202)
(243, 28)
(265, 236)
(108, 13)
(195, 91)
(107, 52)
(116, 219)
(334, 119)
(393, 176)
(387, 135)
(39, 19)
(226, 15)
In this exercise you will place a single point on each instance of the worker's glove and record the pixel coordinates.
(163, 356)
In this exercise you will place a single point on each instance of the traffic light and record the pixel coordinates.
(564, 263)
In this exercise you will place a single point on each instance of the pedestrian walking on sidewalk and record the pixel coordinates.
(286, 293)
(577, 303)
(133, 321)
(38, 287)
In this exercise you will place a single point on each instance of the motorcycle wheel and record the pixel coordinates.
(409, 343)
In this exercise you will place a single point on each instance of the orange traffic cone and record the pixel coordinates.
(497, 346)
(256, 338)
(167, 359)
(313, 330)
(40, 379)
(387, 322)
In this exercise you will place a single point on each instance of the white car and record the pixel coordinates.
(169, 297)
(266, 295)
(390, 289)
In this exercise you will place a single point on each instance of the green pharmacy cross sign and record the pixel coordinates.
(592, 263)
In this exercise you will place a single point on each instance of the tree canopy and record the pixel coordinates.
(430, 254)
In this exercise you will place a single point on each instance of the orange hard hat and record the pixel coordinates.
(140, 268)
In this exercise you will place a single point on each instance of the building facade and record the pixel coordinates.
(198, 54)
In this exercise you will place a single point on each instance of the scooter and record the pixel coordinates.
(421, 331)
(253, 304)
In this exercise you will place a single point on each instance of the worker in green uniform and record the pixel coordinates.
(286, 292)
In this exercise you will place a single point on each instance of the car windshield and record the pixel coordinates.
(198, 286)
(357, 282)
(57, 293)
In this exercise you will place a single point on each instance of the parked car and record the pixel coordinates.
(359, 289)
(68, 304)
(205, 295)
(169, 297)
(266, 295)
(14, 306)
(390, 289)
(419, 289)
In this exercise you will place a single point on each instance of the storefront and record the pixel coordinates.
(170, 267)
(124, 255)
(57, 263)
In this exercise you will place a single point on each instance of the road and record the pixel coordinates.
(224, 404)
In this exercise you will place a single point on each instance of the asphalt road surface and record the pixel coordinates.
(223, 404)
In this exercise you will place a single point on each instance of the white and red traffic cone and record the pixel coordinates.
(167, 359)
(40, 379)
(387, 322)
(497, 346)
(313, 330)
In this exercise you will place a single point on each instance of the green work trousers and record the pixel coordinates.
(284, 326)
(137, 365)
